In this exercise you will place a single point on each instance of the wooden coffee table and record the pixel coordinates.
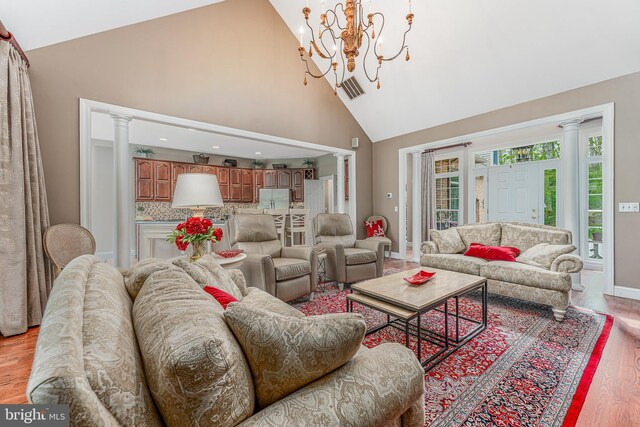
(404, 304)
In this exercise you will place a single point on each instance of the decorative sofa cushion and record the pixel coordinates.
(524, 237)
(223, 298)
(195, 368)
(356, 256)
(287, 353)
(487, 234)
(453, 262)
(207, 272)
(493, 253)
(527, 275)
(374, 228)
(448, 241)
(134, 278)
(290, 268)
(543, 254)
(257, 298)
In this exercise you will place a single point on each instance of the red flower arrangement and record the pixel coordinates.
(194, 231)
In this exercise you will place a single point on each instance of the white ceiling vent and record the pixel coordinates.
(352, 88)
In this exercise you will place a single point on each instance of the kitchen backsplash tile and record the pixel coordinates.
(162, 211)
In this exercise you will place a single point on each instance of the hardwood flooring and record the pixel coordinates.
(613, 399)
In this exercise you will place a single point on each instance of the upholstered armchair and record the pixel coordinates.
(286, 273)
(348, 260)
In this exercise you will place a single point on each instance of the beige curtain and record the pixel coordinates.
(428, 195)
(25, 275)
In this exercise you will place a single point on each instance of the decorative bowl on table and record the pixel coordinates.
(419, 278)
(231, 253)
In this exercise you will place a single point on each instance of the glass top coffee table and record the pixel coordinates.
(404, 304)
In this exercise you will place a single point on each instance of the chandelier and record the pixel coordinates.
(340, 43)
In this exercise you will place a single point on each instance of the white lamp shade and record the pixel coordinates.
(197, 190)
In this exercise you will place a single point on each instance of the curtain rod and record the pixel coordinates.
(8, 37)
(462, 144)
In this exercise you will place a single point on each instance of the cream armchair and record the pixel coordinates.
(348, 260)
(286, 273)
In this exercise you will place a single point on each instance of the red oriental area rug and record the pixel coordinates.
(525, 369)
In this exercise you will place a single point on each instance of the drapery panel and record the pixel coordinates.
(428, 194)
(25, 275)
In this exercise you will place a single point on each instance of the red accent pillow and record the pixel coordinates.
(374, 228)
(493, 253)
(221, 296)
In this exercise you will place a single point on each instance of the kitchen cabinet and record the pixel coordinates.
(155, 180)
(144, 180)
(258, 183)
(247, 185)
(346, 179)
(163, 181)
(297, 189)
(284, 178)
(176, 169)
(271, 179)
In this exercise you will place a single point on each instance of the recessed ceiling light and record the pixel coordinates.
(258, 153)
(216, 147)
(163, 139)
(192, 129)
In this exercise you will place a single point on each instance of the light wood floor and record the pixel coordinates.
(613, 400)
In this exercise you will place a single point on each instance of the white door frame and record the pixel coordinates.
(88, 106)
(606, 111)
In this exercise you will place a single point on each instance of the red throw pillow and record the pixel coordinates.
(221, 296)
(374, 228)
(493, 253)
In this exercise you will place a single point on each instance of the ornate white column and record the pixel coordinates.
(123, 216)
(340, 195)
(570, 155)
(416, 203)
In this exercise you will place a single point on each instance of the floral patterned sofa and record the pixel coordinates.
(152, 348)
(547, 281)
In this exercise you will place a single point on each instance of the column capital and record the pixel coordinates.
(571, 122)
(120, 117)
(339, 155)
(416, 154)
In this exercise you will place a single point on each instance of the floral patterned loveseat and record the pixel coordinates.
(547, 282)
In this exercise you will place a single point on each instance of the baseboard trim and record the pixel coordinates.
(624, 292)
(396, 255)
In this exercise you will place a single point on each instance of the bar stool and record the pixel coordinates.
(279, 217)
(298, 224)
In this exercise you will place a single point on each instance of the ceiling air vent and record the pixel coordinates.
(352, 88)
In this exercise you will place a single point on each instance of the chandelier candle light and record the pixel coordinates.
(341, 42)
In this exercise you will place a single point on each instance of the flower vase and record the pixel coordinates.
(197, 251)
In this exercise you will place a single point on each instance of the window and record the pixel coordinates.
(594, 198)
(550, 194)
(447, 192)
(480, 199)
(528, 153)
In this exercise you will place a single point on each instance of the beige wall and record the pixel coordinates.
(624, 91)
(200, 65)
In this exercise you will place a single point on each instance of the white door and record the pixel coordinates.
(514, 193)
(314, 201)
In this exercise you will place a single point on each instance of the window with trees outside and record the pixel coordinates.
(594, 196)
(448, 179)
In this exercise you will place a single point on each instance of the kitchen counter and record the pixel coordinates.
(151, 239)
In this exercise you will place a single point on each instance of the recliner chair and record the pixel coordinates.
(286, 273)
(348, 260)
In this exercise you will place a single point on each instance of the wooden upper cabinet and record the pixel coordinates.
(284, 179)
(271, 179)
(223, 176)
(210, 170)
(163, 181)
(144, 180)
(297, 177)
(235, 185)
(258, 183)
(236, 176)
(247, 185)
(177, 169)
(346, 179)
(197, 168)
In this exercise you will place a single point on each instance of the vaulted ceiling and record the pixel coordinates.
(467, 56)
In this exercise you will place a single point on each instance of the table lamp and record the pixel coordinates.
(197, 191)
